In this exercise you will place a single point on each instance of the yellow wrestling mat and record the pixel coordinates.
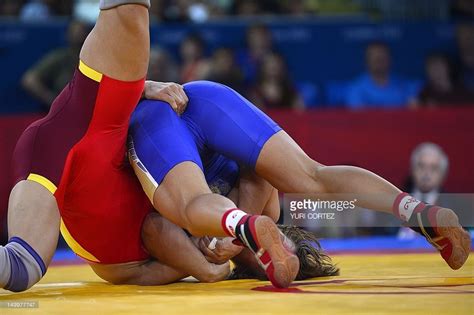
(368, 284)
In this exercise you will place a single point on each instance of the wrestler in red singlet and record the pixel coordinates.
(78, 153)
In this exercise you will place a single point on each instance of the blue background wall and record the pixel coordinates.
(317, 51)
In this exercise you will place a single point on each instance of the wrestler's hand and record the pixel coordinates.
(218, 272)
(171, 93)
(224, 249)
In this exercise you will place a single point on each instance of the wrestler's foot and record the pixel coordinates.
(261, 235)
(441, 228)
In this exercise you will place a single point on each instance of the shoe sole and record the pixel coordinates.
(460, 239)
(285, 264)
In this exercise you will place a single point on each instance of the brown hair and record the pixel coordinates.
(313, 261)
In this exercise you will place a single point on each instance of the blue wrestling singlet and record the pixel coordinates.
(219, 129)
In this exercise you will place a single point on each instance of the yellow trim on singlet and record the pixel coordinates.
(89, 72)
(74, 245)
(43, 181)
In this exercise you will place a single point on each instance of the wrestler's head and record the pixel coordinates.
(313, 261)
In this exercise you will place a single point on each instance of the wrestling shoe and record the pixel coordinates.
(261, 235)
(441, 228)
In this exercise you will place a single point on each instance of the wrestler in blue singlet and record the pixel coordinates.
(219, 130)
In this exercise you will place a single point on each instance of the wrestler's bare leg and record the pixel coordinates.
(295, 172)
(185, 199)
(33, 217)
(149, 272)
(184, 187)
(257, 195)
(261, 198)
(118, 46)
(25, 221)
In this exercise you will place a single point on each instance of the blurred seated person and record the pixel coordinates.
(259, 44)
(36, 10)
(429, 169)
(86, 10)
(296, 7)
(274, 88)
(379, 87)
(224, 70)
(195, 66)
(255, 7)
(49, 76)
(441, 88)
(42, 10)
(465, 40)
(162, 67)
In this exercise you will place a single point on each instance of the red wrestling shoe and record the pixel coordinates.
(441, 228)
(261, 235)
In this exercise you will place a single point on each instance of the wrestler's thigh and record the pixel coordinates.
(181, 185)
(287, 167)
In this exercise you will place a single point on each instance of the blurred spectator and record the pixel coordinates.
(50, 75)
(157, 10)
(274, 88)
(179, 10)
(162, 67)
(379, 87)
(42, 10)
(198, 11)
(441, 88)
(224, 69)
(10, 8)
(429, 169)
(176, 11)
(86, 10)
(333, 7)
(36, 10)
(296, 7)
(259, 44)
(254, 7)
(194, 65)
(465, 39)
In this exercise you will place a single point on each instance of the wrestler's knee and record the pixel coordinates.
(311, 177)
(20, 265)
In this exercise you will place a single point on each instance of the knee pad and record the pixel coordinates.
(110, 4)
(21, 266)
